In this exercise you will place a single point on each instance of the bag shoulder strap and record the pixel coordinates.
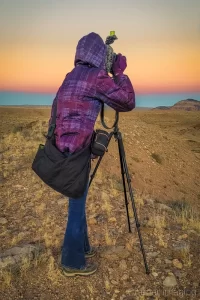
(53, 120)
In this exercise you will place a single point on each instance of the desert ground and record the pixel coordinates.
(163, 157)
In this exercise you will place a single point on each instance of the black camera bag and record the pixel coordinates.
(100, 142)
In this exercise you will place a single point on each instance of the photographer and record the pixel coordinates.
(78, 105)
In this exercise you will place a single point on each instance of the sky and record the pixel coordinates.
(161, 40)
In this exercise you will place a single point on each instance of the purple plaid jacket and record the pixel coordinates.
(82, 91)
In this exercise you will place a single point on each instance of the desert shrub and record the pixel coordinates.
(179, 205)
(17, 128)
(196, 150)
(156, 157)
(186, 215)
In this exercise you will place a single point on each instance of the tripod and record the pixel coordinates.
(125, 173)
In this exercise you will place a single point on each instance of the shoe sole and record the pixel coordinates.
(90, 255)
(78, 274)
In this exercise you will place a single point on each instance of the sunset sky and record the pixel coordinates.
(160, 38)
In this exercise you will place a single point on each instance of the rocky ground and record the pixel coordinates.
(162, 151)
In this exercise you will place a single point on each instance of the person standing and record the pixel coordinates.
(79, 101)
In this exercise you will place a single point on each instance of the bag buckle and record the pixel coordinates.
(51, 130)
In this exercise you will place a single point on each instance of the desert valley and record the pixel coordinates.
(163, 156)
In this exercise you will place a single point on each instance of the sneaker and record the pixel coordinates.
(88, 270)
(91, 253)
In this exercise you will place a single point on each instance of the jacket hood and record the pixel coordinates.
(91, 49)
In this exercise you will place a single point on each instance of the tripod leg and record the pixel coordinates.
(124, 185)
(125, 168)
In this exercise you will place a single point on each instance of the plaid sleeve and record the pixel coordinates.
(118, 93)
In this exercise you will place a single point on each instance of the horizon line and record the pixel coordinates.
(150, 92)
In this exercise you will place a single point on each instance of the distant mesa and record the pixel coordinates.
(162, 107)
(187, 105)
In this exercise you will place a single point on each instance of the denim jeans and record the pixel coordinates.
(76, 241)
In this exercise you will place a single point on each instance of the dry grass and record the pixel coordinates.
(108, 239)
(158, 223)
(106, 206)
(187, 258)
(6, 278)
(186, 215)
(189, 219)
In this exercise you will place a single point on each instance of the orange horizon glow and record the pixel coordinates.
(156, 70)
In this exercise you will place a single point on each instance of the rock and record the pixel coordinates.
(124, 277)
(3, 221)
(111, 270)
(164, 207)
(196, 284)
(130, 259)
(149, 293)
(115, 253)
(20, 187)
(155, 274)
(158, 260)
(92, 221)
(123, 265)
(177, 264)
(130, 291)
(112, 220)
(183, 237)
(170, 281)
(62, 201)
(98, 181)
(25, 250)
(114, 282)
(168, 262)
(152, 254)
(17, 255)
(179, 274)
(135, 269)
(150, 202)
(6, 262)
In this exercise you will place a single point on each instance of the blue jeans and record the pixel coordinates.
(76, 241)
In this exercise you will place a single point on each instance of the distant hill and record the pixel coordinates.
(187, 105)
(162, 107)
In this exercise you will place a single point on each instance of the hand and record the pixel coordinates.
(119, 65)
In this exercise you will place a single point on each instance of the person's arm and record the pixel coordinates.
(118, 93)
